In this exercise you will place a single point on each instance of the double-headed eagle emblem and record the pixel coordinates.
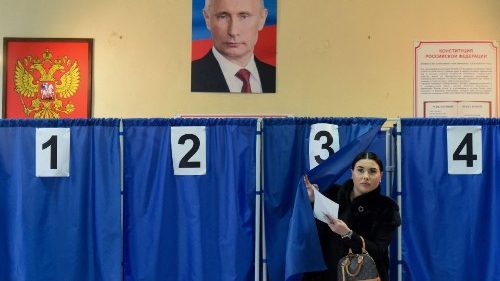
(45, 86)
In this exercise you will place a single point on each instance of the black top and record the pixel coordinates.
(371, 215)
(207, 76)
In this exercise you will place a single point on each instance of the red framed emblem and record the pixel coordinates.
(47, 78)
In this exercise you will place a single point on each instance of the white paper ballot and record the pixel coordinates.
(323, 205)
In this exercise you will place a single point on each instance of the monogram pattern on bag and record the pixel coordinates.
(357, 267)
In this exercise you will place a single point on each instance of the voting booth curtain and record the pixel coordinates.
(189, 199)
(291, 147)
(450, 199)
(189, 194)
(60, 200)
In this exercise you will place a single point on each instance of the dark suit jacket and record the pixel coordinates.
(206, 75)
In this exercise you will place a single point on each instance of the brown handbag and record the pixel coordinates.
(357, 267)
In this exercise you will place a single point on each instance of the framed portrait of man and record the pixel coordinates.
(234, 46)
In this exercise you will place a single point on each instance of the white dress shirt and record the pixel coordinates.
(229, 70)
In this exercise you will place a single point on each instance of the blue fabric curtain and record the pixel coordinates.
(451, 223)
(64, 228)
(378, 146)
(189, 227)
(286, 143)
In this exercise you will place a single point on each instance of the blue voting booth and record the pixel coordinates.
(67, 226)
(450, 199)
(199, 224)
(219, 199)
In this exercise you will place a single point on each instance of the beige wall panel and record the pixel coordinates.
(335, 57)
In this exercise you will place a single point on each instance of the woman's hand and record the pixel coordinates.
(338, 226)
(309, 188)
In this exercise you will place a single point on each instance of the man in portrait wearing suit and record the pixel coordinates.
(230, 65)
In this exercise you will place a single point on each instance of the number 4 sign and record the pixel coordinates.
(52, 152)
(465, 150)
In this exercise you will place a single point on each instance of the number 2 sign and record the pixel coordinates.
(189, 150)
(465, 151)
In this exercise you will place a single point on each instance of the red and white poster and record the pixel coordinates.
(456, 79)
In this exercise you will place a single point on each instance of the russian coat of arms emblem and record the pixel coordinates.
(45, 85)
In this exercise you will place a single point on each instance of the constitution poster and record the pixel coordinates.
(456, 79)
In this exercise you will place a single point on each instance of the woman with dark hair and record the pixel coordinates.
(363, 212)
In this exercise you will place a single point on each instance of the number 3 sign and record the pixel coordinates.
(323, 143)
(465, 150)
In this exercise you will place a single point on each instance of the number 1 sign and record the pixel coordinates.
(52, 152)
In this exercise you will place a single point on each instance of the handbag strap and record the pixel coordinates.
(360, 261)
(363, 249)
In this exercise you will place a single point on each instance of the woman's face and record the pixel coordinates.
(366, 176)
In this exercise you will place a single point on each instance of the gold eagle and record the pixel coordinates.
(66, 87)
(43, 85)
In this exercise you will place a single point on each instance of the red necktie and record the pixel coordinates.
(244, 75)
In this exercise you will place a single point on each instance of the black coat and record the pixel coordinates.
(206, 75)
(372, 215)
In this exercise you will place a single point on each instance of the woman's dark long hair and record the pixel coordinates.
(368, 155)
